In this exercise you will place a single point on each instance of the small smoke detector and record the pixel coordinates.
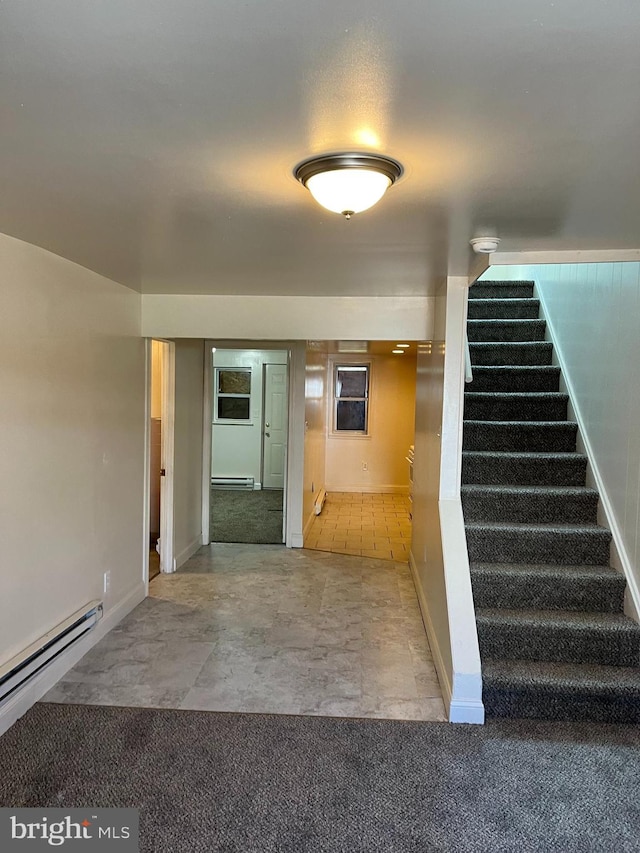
(484, 245)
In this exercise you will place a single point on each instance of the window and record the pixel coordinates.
(351, 398)
(233, 394)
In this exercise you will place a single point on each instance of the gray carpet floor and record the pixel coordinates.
(278, 784)
(251, 517)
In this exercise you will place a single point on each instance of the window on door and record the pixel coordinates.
(351, 398)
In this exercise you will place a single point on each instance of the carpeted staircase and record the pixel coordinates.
(554, 641)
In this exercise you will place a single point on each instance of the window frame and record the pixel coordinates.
(217, 395)
(343, 364)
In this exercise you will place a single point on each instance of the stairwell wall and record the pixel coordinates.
(592, 311)
(438, 557)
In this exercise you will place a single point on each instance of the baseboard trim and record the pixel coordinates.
(619, 556)
(443, 676)
(188, 552)
(35, 689)
(370, 490)
(466, 711)
(297, 541)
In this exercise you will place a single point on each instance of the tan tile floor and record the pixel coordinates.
(363, 525)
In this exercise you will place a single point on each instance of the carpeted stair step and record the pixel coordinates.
(501, 353)
(530, 504)
(520, 436)
(505, 330)
(513, 378)
(547, 587)
(501, 290)
(560, 691)
(524, 469)
(502, 406)
(505, 309)
(609, 639)
(503, 542)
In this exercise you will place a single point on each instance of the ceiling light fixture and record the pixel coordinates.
(397, 351)
(348, 183)
(402, 346)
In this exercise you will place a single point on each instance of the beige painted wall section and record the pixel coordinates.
(156, 379)
(391, 430)
(287, 317)
(315, 429)
(187, 482)
(72, 372)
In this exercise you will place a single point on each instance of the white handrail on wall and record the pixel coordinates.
(468, 373)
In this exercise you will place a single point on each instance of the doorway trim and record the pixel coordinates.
(294, 478)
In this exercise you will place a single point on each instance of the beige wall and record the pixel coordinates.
(315, 429)
(72, 373)
(187, 482)
(391, 430)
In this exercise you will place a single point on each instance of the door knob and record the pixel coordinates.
(268, 434)
(267, 425)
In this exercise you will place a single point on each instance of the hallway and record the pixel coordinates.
(255, 628)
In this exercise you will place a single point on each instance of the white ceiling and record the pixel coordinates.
(154, 141)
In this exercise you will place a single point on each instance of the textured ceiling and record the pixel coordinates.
(154, 141)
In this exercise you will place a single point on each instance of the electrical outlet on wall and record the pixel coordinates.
(106, 585)
(365, 466)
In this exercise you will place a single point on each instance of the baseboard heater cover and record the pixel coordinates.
(232, 483)
(35, 657)
(322, 496)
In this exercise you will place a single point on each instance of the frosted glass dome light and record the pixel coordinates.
(348, 183)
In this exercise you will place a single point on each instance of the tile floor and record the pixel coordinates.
(374, 525)
(263, 628)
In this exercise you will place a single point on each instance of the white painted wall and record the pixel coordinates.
(187, 482)
(593, 312)
(287, 317)
(438, 557)
(72, 373)
(391, 429)
(237, 448)
(315, 414)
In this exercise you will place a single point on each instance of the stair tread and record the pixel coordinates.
(549, 570)
(552, 675)
(512, 395)
(508, 488)
(538, 526)
(521, 454)
(545, 619)
(570, 425)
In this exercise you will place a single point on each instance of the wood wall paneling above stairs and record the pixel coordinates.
(554, 641)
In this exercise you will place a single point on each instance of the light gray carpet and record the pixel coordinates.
(275, 784)
(251, 517)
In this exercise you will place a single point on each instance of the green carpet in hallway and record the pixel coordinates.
(252, 517)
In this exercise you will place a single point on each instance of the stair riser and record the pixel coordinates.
(505, 309)
(505, 331)
(501, 290)
(490, 590)
(544, 705)
(497, 354)
(558, 643)
(589, 548)
(536, 471)
(515, 379)
(520, 438)
(514, 407)
(530, 508)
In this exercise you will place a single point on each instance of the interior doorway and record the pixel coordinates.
(161, 457)
(248, 414)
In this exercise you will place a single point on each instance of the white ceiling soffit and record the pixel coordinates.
(154, 141)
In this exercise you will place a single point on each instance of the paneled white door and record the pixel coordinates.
(276, 405)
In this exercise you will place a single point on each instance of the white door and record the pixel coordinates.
(274, 446)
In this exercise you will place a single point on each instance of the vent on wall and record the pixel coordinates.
(35, 657)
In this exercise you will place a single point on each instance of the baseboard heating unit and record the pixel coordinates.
(232, 483)
(35, 657)
(322, 496)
